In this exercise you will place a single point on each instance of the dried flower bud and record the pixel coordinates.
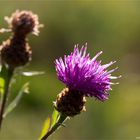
(24, 22)
(70, 102)
(15, 54)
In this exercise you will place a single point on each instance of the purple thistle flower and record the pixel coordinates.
(81, 73)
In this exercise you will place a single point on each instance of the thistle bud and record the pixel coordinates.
(70, 102)
(15, 55)
(24, 22)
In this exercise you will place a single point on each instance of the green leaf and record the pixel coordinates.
(3, 78)
(54, 117)
(13, 104)
(2, 83)
(49, 123)
(46, 127)
(33, 73)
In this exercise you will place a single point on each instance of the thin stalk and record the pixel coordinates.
(5, 94)
(59, 123)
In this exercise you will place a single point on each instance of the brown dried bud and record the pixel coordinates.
(70, 102)
(24, 22)
(15, 54)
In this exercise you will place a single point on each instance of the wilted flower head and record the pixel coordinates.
(81, 73)
(24, 22)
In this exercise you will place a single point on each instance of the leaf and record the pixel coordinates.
(33, 73)
(2, 83)
(46, 127)
(3, 78)
(49, 123)
(13, 104)
(54, 117)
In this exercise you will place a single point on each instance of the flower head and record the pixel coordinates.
(15, 54)
(16, 51)
(24, 22)
(87, 76)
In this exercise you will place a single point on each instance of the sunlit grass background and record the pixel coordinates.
(111, 26)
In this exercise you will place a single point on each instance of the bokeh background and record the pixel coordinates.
(112, 26)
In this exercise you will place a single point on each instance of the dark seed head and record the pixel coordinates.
(15, 55)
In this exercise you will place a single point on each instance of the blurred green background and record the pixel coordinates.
(111, 26)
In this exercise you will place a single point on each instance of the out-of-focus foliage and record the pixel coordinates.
(14, 103)
(112, 26)
(3, 75)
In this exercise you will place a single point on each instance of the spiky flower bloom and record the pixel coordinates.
(84, 77)
(16, 51)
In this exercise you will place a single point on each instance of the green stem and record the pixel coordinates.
(7, 79)
(59, 123)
